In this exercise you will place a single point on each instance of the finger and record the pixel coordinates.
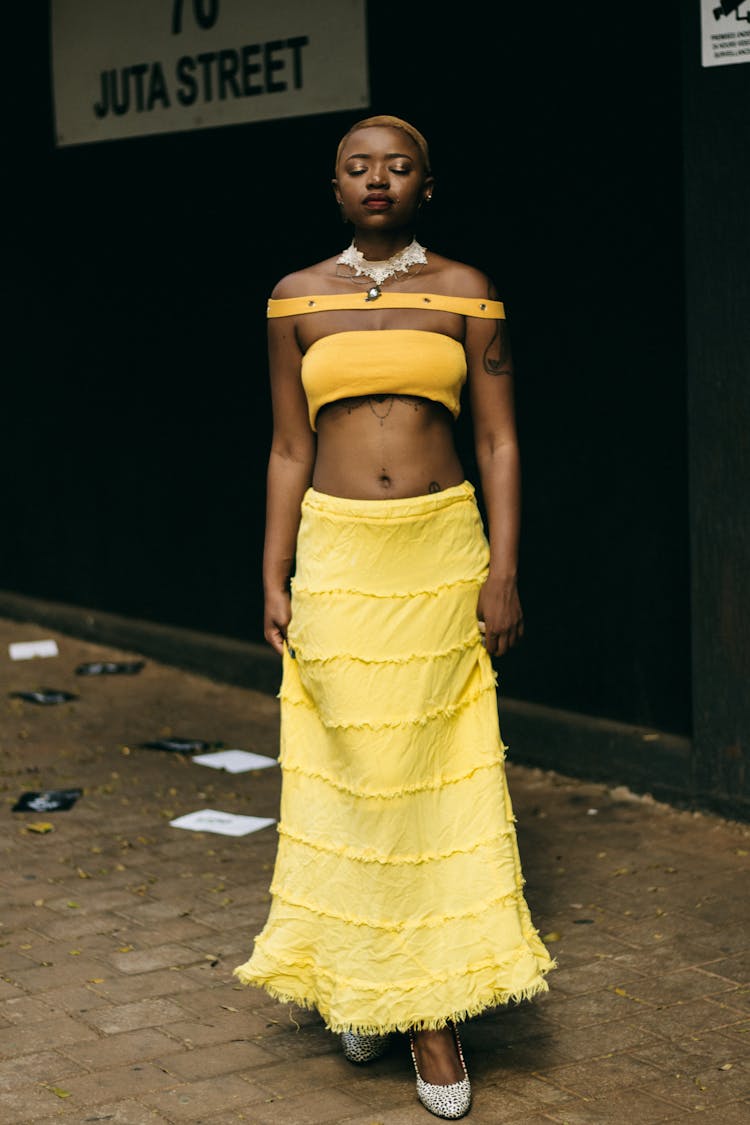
(490, 642)
(276, 639)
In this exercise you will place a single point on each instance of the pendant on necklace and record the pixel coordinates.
(373, 294)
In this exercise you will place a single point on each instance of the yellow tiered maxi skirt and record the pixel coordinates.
(397, 896)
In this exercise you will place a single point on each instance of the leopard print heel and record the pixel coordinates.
(363, 1048)
(449, 1102)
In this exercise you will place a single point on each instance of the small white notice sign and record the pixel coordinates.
(226, 824)
(725, 32)
(235, 761)
(27, 650)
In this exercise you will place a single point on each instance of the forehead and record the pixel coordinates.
(379, 140)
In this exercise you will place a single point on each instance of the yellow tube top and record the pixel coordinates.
(404, 361)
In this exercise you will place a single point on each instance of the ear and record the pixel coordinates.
(336, 192)
(427, 188)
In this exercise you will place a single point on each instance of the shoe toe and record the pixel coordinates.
(449, 1102)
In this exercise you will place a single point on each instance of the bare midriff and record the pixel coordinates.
(378, 447)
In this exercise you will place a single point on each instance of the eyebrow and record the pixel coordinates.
(388, 156)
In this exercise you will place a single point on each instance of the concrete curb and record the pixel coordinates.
(226, 659)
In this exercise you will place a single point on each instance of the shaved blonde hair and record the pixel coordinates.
(386, 121)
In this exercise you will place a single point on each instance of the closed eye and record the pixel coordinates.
(396, 171)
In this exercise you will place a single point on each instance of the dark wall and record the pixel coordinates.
(137, 411)
(717, 174)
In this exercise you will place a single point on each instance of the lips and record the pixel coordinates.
(377, 201)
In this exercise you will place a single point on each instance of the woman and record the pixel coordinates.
(397, 900)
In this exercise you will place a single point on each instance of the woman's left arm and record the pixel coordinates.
(490, 382)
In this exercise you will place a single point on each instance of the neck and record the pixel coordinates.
(379, 246)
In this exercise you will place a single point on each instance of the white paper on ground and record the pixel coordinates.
(227, 824)
(27, 650)
(235, 761)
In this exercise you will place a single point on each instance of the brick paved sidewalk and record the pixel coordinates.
(119, 934)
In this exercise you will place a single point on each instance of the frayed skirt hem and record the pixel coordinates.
(481, 1002)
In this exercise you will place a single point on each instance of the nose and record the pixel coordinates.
(378, 177)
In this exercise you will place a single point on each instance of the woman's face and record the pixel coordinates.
(380, 178)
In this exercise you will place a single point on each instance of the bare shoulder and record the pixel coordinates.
(301, 283)
(461, 280)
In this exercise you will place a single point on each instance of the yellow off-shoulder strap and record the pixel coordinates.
(330, 302)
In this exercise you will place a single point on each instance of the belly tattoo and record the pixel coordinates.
(383, 401)
(382, 405)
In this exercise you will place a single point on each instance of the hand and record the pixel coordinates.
(276, 618)
(500, 615)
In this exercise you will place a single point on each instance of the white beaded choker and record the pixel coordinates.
(411, 255)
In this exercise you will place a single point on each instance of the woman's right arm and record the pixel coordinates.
(290, 467)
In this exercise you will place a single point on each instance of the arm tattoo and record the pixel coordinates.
(501, 365)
